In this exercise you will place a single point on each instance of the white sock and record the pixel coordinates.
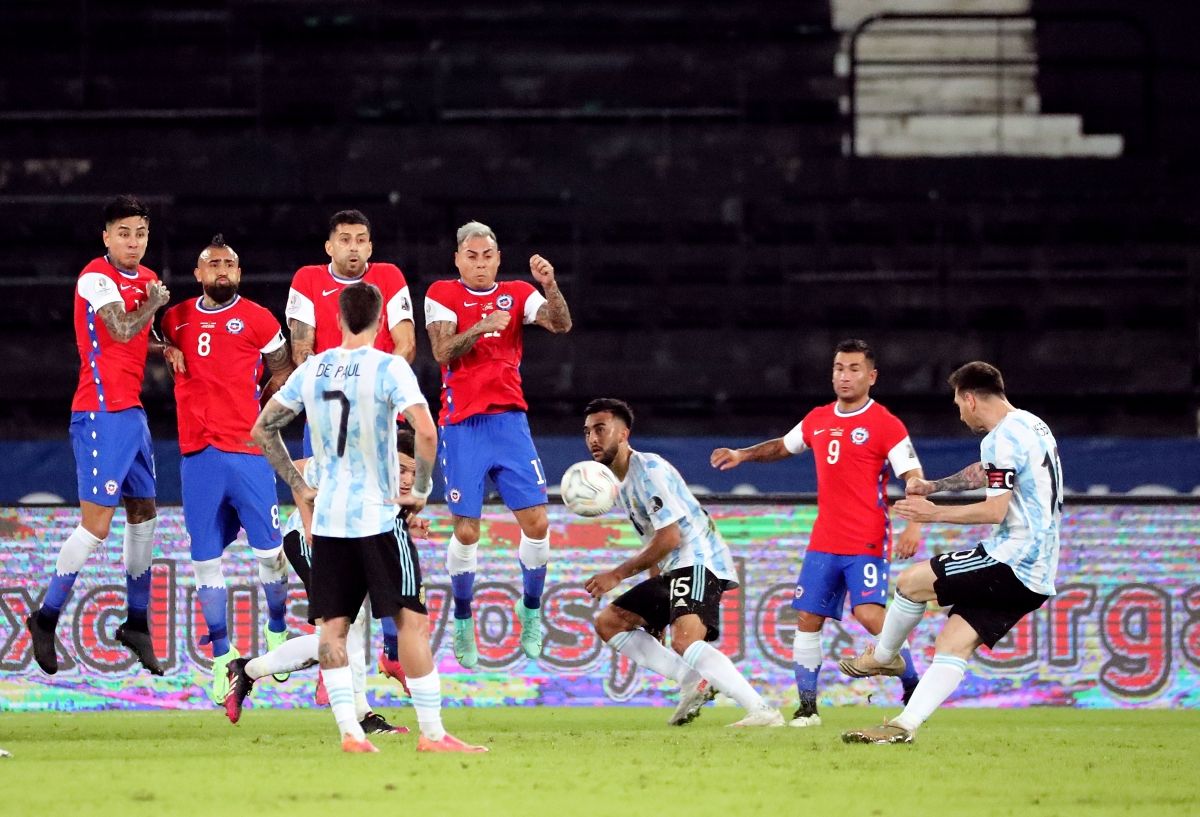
(290, 656)
(642, 649)
(534, 553)
(719, 671)
(340, 687)
(903, 614)
(75, 551)
(272, 567)
(427, 700)
(942, 678)
(806, 650)
(356, 652)
(460, 558)
(139, 546)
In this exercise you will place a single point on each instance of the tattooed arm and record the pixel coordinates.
(266, 430)
(969, 478)
(123, 326)
(279, 364)
(449, 345)
(303, 338)
(553, 316)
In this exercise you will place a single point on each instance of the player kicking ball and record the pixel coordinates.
(694, 569)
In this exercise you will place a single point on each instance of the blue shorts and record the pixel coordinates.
(223, 492)
(114, 457)
(491, 445)
(825, 578)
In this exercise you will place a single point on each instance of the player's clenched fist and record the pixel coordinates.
(543, 270)
(157, 294)
(494, 322)
(725, 458)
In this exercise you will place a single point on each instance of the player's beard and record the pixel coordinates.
(219, 292)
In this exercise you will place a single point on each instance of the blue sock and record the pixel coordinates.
(137, 591)
(391, 644)
(463, 586)
(533, 579)
(55, 599)
(806, 685)
(214, 602)
(276, 593)
(910, 677)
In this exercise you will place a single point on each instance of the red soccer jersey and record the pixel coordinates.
(217, 397)
(487, 379)
(314, 300)
(110, 372)
(852, 453)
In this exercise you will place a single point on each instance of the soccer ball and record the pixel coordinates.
(589, 488)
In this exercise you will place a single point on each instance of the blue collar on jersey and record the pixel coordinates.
(342, 280)
(125, 272)
(487, 291)
(200, 307)
(870, 402)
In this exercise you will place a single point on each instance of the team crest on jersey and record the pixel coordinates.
(235, 325)
(859, 435)
(455, 495)
(110, 487)
(504, 301)
(656, 504)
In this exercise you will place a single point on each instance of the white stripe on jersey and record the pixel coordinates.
(903, 457)
(399, 308)
(1027, 539)
(300, 308)
(655, 495)
(352, 398)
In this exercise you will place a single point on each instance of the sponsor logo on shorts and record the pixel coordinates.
(859, 435)
(110, 487)
(799, 591)
(234, 326)
(504, 301)
(421, 594)
(455, 495)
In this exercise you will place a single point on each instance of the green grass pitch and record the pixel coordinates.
(603, 761)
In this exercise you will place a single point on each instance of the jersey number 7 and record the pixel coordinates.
(341, 397)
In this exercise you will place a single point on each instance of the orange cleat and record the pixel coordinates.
(448, 743)
(322, 695)
(353, 745)
(393, 670)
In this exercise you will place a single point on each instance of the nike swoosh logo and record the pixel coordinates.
(180, 326)
(327, 292)
(473, 303)
(127, 286)
(821, 431)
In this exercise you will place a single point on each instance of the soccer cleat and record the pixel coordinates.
(448, 743)
(465, 649)
(887, 733)
(691, 701)
(765, 716)
(531, 629)
(142, 646)
(274, 641)
(220, 672)
(43, 645)
(239, 685)
(373, 724)
(321, 696)
(5, 753)
(864, 665)
(392, 669)
(355, 746)
(805, 715)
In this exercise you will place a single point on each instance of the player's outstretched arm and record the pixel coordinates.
(769, 451)
(664, 541)
(968, 479)
(123, 326)
(273, 419)
(554, 315)
(989, 512)
(449, 345)
(279, 364)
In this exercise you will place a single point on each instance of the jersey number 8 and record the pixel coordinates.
(204, 344)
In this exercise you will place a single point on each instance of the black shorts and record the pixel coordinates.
(662, 599)
(346, 571)
(985, 592)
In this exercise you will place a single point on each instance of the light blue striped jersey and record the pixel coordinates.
(655, 496)
(1021, 456)
(352, 397)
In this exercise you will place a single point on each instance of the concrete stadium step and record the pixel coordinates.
(1017, 126)
(1097, 146)
(848, 13)
(896, 104)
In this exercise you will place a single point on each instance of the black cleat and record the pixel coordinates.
(374, 724)
(43, 645)
(141, 645)
(806, 713)
(240, 685)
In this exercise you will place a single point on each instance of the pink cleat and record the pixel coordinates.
(393, 670)
(355, 746)
(322, 695)
(449, 743)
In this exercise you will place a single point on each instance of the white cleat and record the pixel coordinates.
(765, 716)
(691, 701)
(802, 721)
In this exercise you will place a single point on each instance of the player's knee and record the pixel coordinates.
(608, 623)
(912, 583)
(139, 510)
(536, 525)
(466, 531)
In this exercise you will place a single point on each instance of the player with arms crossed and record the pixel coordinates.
(115, 301)
(352, 395)
(854, 439)
(220, 340)
(312, 311)
(475, 326)
(995, 584)
(690, 568)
